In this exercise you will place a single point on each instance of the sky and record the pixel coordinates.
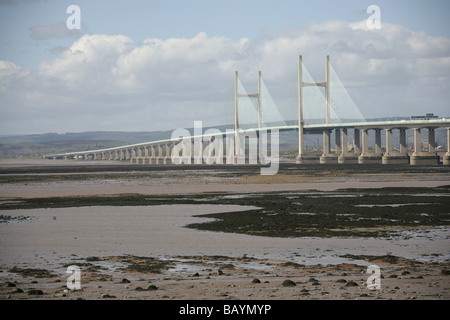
(159, 65)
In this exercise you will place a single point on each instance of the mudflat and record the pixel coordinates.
(170, 232)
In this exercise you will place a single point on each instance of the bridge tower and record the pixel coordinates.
(237, 95)
(301, 158)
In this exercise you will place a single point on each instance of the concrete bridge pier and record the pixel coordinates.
(196, 151)
(151, 154)
(145, 156)
(370, 157)
(420, 157)
(327, 156)
(303, 158)
(392, 157)
(346, 156)
(167, 158)
(160, 158)
(446, 160)
(366, 156)
(137, 155)
(133, 156)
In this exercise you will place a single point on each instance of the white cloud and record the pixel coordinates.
(107, 82)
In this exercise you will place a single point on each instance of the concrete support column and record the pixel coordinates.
(356, 142)
(159, 157)
(417, 141)
(448, 141)
(326, 156)
(378, 142)
(153, 155)
(391, 157)
(344, 142)
(365, 142)
(168, 150)
(326, 142)
(403, 150)
(152, 151)
(345, 156)
(389, 141)
(446, 160)
(431, 141)
(139, 156)
(167, 157)
(337, 147)
(424, 158)
(366, 156)
(198, 151)
(146, 157)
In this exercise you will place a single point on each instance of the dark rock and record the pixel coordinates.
(351, 284)
(125, 280)
(288, 283)
(35, 292)
(256, 281)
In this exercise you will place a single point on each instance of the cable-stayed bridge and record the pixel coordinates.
(323, 108)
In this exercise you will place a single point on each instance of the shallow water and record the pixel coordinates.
(56, 236)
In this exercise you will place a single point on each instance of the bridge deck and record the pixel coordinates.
(308, 128)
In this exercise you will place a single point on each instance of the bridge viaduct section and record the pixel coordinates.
(358, 151)
(361, 152)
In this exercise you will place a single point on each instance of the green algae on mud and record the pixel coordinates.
(345, 213)
(137, 264)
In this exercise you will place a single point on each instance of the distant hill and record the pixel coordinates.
(37, 145)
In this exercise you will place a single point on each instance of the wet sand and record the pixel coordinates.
(107, 241)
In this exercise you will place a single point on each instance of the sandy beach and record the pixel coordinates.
(146, 252)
